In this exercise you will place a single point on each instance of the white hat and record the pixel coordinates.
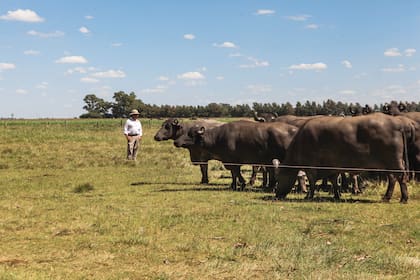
(134, 112)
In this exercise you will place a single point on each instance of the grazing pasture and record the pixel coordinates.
(72, 207)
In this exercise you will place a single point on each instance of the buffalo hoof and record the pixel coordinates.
(204, 182)
(403, 201)
(385, 200)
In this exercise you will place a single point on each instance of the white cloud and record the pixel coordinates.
(31, 52)
(312, 26)
(409, 52)
(46, 35)
(22, 15)
(89, 80)
(220, 78)
(255, 63)
(392, 52)
(6, 66)
(72, 59)
(89, 17)
(84, 30)
(347, 64)
(264, 12)
(226, 45)
(110, 74)
(191, 76)
(80, 70)
(116, 44)
(315, 66)
(21, 91)
(298, 17)
(189, 36)
(400, 68)
(43, 85)
(163, 78)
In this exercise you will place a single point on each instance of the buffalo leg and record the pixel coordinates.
(402, 180)
(390, 189)
(204, 173)
(255, 169)
(312, 180)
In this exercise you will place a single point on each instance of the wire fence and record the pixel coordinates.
(303, 167)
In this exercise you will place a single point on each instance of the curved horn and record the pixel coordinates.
(257, 118)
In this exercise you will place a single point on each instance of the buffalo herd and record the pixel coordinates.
(324, 147)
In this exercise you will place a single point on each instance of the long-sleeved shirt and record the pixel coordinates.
(133, 127)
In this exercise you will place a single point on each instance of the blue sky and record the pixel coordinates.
(54, 53)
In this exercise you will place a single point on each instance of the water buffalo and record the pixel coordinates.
(264, 117)
(374, 141)
(173, 129)
(241, 142)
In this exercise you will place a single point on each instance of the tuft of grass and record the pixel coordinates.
(86, 187)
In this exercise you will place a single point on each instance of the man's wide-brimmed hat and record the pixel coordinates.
(134, 112)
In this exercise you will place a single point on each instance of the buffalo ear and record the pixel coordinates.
(402, 107)
(201, 130)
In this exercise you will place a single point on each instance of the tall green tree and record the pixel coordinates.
(96, 107)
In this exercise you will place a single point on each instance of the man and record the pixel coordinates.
(133, 133)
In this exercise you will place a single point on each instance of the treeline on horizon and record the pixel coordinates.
(124, 102)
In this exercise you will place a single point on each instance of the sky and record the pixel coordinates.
(53, 53)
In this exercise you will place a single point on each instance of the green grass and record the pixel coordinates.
(72, 207)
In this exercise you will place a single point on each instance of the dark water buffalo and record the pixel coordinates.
(356, 111)
(173, 129)
(374, 141)
(264, 117)
(399, 110)
(241, 142)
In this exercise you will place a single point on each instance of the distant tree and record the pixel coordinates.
(96, 107)
(124, 103)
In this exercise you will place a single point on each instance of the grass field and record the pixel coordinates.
(72, 207)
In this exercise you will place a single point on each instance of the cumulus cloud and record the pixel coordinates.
(22, 15)
(72, 59)
(392, 52)
(298, 17)
(31, 52)
(89, 17)
(191, 76)
(346, 64)
(189, 36)
(89, 80)
(409, 52)
(110, 74)
(264, 12)
(228, 45)
(6, 66)
(84, 30)
(46, 35)
(303, 66)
